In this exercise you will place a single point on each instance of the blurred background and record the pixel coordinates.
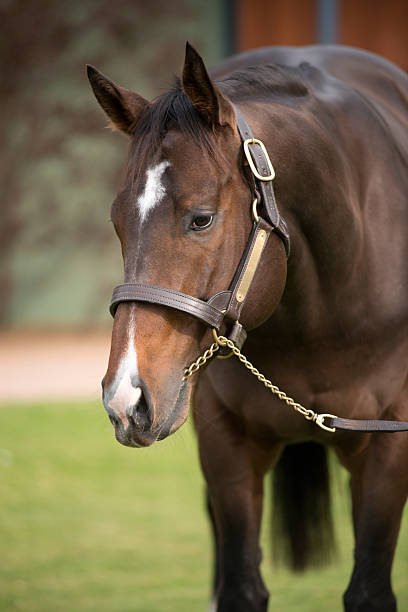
(59, 258)
(60, 167)
(69, 495)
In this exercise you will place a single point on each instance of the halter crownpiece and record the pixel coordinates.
(260, 178)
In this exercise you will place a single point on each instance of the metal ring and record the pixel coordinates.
(216, 338)
(319, 420)
(255, 211)
(221, 343)
(230, 354)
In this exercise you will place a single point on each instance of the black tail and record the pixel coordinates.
(302, 526)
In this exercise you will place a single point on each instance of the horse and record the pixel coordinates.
(268, 199)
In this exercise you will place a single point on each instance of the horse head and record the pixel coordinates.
(183, 218)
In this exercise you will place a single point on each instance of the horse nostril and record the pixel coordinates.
(139, 413)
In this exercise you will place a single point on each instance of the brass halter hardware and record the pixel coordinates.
(260, 177)
(255, 210)
(252, 265)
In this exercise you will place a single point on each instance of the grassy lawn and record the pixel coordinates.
(87, 525)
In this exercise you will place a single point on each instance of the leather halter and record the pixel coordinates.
(226, 306)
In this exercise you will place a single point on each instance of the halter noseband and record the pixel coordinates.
(226, 305)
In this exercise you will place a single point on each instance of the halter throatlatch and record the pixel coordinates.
(226, 306)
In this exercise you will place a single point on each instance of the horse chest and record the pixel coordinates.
(359, 377)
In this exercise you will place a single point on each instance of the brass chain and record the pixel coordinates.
(308, 414)
(202, 360)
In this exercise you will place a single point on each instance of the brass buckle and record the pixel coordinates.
(253, 141)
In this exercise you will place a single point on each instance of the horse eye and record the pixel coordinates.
(201, 222)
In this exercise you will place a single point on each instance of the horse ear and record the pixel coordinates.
(122, 106)
(206, 97)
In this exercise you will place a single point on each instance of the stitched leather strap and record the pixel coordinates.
(263, 189)
(139, 292)
(366, 426)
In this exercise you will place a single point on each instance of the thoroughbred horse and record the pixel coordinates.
(326, 322)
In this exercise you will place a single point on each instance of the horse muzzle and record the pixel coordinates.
(131, 411)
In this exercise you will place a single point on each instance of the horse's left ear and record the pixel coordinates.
(206, 97)
(123, 107)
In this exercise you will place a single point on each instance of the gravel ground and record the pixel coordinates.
(52, 365)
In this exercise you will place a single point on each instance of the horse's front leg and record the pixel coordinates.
(234, 467)
(379, 485)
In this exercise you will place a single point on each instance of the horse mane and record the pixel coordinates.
(174, 109)
(171, 110)
(271, 80)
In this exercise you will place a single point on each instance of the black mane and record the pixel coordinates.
(172, 110)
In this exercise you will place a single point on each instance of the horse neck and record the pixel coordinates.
(317, 195)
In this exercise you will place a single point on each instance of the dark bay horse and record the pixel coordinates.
(327, 323)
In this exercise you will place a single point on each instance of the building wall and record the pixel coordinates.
(381, 27)
(261, 23)
(378, 26)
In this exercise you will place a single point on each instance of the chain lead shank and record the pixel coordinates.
(308, 414)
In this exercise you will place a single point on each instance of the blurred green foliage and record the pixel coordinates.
(89, 525)
(60, 168)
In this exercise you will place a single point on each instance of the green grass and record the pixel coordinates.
(87, 525)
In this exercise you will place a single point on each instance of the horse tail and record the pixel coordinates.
(302, 526)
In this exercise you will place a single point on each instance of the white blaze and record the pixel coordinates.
(154, 190)
(126, 395)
